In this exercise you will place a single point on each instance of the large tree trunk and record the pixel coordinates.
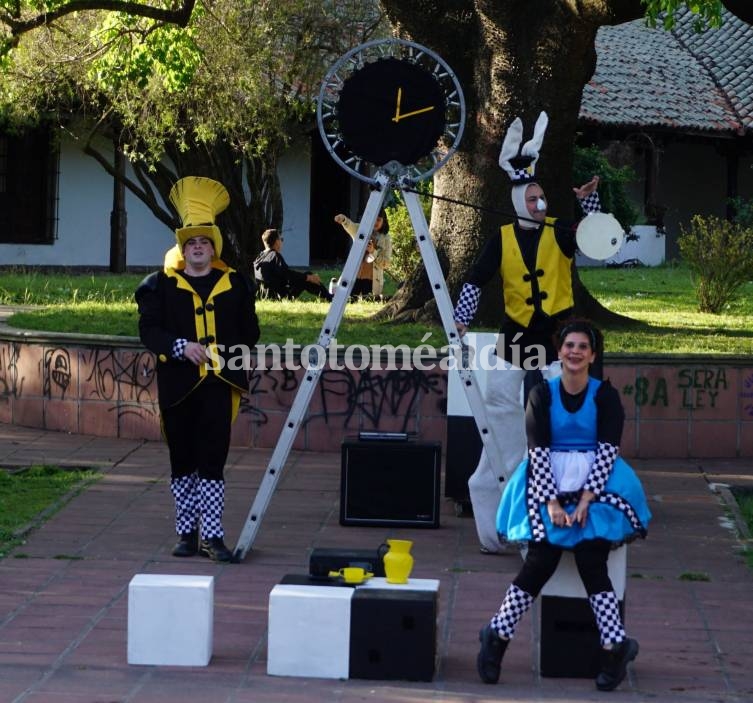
(513, 58)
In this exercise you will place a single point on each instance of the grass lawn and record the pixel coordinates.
(744, 498)
(661, 298)
(29, 496)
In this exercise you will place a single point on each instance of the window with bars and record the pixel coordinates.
(28, 187)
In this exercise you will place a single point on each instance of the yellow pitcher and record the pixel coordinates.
(397, 558)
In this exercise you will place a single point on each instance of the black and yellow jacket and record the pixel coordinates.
(546, 287)
(170, 309)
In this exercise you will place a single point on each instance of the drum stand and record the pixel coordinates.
(314, 365)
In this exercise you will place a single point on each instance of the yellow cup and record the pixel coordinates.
(352, 574)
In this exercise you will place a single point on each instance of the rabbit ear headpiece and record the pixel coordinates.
(520, 162)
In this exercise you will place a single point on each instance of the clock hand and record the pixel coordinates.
(398, 117)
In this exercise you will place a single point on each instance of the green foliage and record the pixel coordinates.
(27, 497)
(719, 253)
(709, 12)
(590, 161)
(245, 73)
(406, 259)
(743, 211)
(744, 498)
(165, 58)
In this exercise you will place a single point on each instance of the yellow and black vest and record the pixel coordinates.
(549, 288)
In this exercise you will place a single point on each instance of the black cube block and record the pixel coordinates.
(324, 560)
(569, 638)
(393, 634)
(308, 580)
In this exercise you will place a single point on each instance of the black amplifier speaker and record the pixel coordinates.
(390, 483)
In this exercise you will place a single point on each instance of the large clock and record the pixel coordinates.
(392, 106)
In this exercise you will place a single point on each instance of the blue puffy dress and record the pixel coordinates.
(619, 514)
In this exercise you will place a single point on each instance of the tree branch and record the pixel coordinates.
(179, 17)
(134, 187)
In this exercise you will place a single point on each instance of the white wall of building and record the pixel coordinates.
(294, 170)
(85, 193)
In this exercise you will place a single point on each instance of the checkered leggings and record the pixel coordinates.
(606, 609)
(198, 500)
(186, 494)
(514, 606)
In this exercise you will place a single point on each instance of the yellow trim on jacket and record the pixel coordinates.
(555, 287)
(205, 324)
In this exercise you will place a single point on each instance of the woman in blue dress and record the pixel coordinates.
(573, 492)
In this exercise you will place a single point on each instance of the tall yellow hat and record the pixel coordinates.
(198, 201)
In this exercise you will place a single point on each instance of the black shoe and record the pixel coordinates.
(489, 660)
(613, 664)
(187, 544)
(215, 549)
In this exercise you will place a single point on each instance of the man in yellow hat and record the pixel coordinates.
(197, 315)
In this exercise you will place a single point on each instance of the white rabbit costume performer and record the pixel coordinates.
(534, 257)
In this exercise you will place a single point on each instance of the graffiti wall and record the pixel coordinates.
(683, 410)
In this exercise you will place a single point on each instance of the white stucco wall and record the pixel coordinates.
(85, 203)
(294, 170)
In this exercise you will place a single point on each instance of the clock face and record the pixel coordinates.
(391, 106)
(391, 110)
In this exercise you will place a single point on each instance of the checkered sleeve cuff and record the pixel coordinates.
(179, 348)
(467, 305)
(540, 459)
(591, 203)
(606, 454)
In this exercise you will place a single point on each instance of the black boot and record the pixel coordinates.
(613, 664)
(215, 549)
(187, 544)
(489, 660)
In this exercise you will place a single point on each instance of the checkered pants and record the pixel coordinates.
(186, 494)
(606, 609)
(211, 507)
(514, 606)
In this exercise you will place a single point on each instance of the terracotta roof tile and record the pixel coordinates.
(679, 79)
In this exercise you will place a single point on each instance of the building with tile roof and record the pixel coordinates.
(677, 106)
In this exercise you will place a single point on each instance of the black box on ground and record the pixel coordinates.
(307, 580)
(390, 483)
(569, 645)
(393, 634)
(462, 455)
(324, 560)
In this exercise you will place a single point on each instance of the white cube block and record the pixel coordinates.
(309, 631)
(170, 619)
(566, 581)
(482, 346)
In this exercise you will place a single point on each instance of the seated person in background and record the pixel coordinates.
(370, 276)
(275, 278)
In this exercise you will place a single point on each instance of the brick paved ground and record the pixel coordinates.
(63, 594)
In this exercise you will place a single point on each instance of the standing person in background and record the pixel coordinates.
(370, 277)
(573, 492)
(275, 278)
(191, 315)
(534, 257)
